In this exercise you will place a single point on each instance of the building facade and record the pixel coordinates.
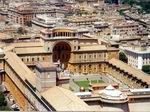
(128, 28)
(138, 56)
(25, 12)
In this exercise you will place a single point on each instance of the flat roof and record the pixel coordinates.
(30, 50)
(25, 47)
(4, 36)
(92, 47)
(135, 72)
(64, 100)
(27, 44)
(138, 50)
(45, 66)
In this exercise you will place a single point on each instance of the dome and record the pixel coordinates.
(111, 91)
(112, 95)
(110, 87)
(1, 51)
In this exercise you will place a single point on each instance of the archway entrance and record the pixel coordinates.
(61, 52)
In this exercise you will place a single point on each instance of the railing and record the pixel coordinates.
(98, 98)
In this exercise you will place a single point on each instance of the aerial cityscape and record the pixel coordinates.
(75, 55)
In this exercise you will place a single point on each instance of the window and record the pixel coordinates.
(79, 66)
(78, 47)
(32, 59)
(84, 56)
(99, 66)
(89, 66)
(90, 56)
(79, 56)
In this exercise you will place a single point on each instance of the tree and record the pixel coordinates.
(123, 57)
(2, 100)
(146, 69)
(21, 30)
(121, 11)
(28, 23)
(108, 1)
(130, 2)
(145, 5)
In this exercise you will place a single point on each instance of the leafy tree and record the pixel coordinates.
(108, 1)
(130, 2)
(21, 30)
(121, 11)
(145, 5)
(123, 57)
(28, 23)
(146, 69)
(2, 100)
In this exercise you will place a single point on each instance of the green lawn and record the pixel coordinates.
(85, 83)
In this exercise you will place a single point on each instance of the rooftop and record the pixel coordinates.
(4, 36)
(64, 100)
(135, 72)
(1, 51)
(19, 67)
(138, 50)
(93, 47)
(112, 95)
(45, 66)
(29, 50)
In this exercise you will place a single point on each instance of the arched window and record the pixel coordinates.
(90, 66)
(32, 59)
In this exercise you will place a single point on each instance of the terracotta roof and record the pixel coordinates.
(92, 47)
(4, 36)
(27, 44)
(135, 72)
(30, 50)
(64, 100)
(19, 67)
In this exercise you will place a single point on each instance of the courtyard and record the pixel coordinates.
(86, 83)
